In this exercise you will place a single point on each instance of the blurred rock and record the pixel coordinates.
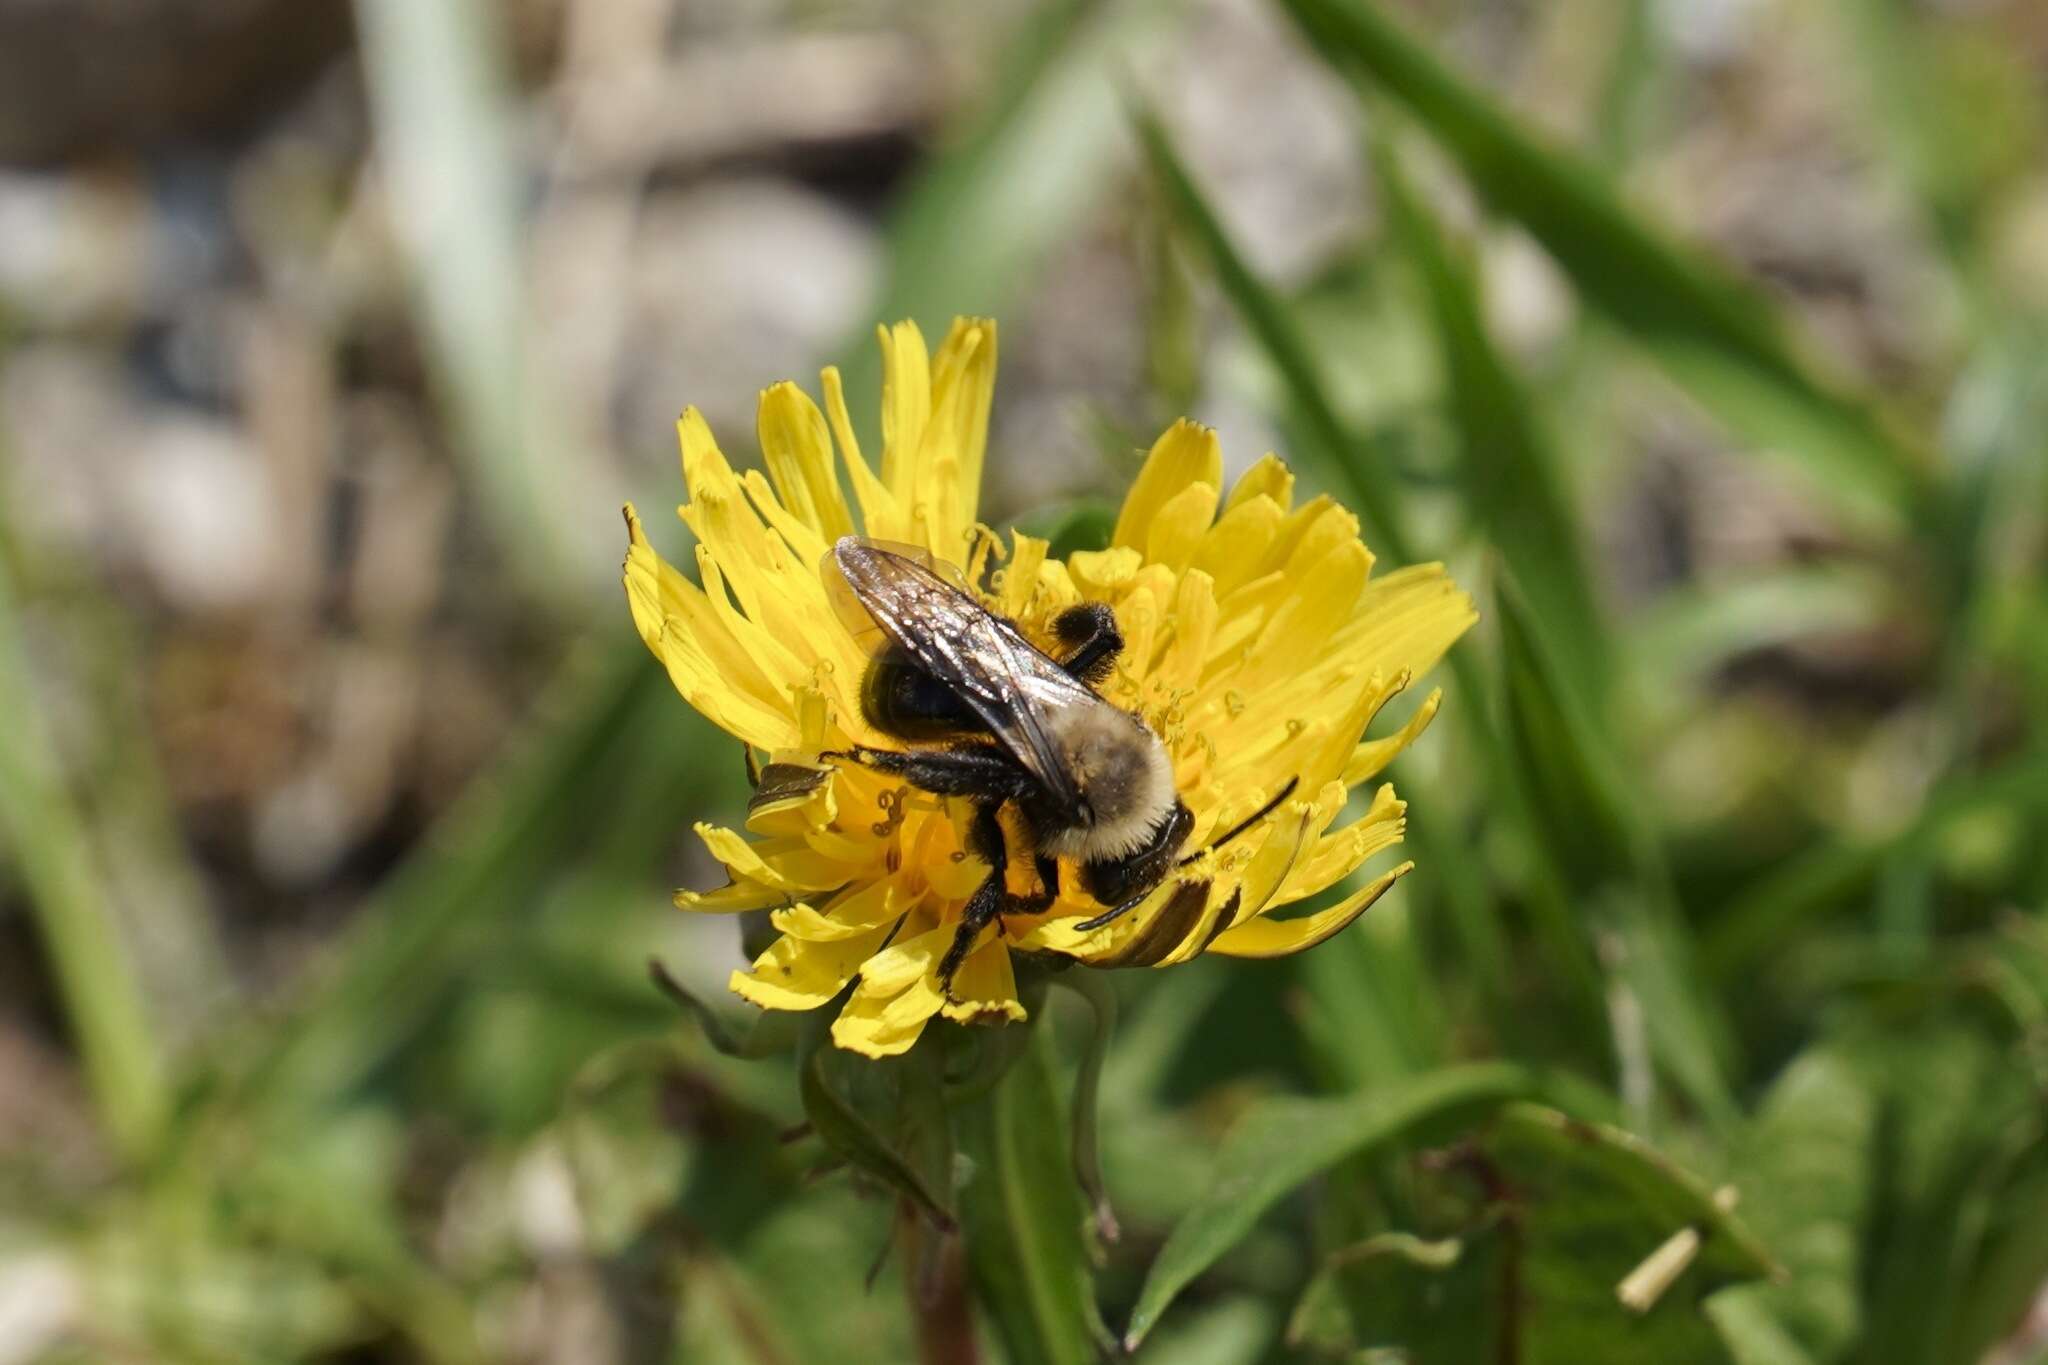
(88, 76)
(40, 1299)
(1288, 183)
(197, 510)
(738, 283)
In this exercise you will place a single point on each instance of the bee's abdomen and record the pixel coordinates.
(901, 699)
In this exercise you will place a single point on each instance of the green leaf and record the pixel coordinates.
(1530, 1142)
(1435, 1298)
(1584, 806)
(1804, 1169)
(1568, 1212)
(1022, 1216)
(770, 1034)
(1953, 1110)
(1710, 329)
(1238, 1331)
(1280, 1143)
(1512, 478)
(2012, 1265)
(886, 1117)
(1084, 524)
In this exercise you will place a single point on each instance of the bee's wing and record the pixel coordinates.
(852, 611)
(1007, 680)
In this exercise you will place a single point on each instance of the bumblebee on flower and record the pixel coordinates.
(1128, 757)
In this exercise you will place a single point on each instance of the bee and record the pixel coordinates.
(989, 717)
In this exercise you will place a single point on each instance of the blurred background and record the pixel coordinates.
(339, 805)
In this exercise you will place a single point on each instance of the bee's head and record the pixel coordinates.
(1124, 780)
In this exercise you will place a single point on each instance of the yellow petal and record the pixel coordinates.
(1101, 574)
(1186, 453)
(1178, 526)
(1307, 541)
(1194, 627)
(985, 988)
(704, 662)
(797, 449)
(1301, 628)
(732, 898)
(1336, 856)
(963, 388)
(773, 862)
(802, 974)
(1406, 620)
(880, 516)
(1269, 937)
(1276, 856)
(898, 993)
(1370, 757)
(1235, 548)
(868, 904)
(1268, 478)
(1018, 580)
(906, 407)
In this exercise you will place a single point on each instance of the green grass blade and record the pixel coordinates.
(1688, 631)
(973, 231)
(1337, 451)
(1777, 906)
(440, 95)
(1940, 133)
(1371, 484)
(1597, 824)
(89, 956)
(1710, 329)
(1511, 476)
(1282, 1142)
(505, 835)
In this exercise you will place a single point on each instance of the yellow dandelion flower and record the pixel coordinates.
(1258, 646)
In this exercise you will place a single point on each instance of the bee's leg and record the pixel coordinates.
(1090, 632)
(984, 905)
(1049, 873)
(1113, 914)
(993, 898)
(1123, 883)
(985, 840)
(982, 772)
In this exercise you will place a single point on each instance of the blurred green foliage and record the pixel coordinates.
(1786, 1083)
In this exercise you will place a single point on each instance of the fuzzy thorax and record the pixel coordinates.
(1124, 777)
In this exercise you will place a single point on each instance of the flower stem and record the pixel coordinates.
(935, 1283)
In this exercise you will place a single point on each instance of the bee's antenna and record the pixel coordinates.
(1241, 826)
